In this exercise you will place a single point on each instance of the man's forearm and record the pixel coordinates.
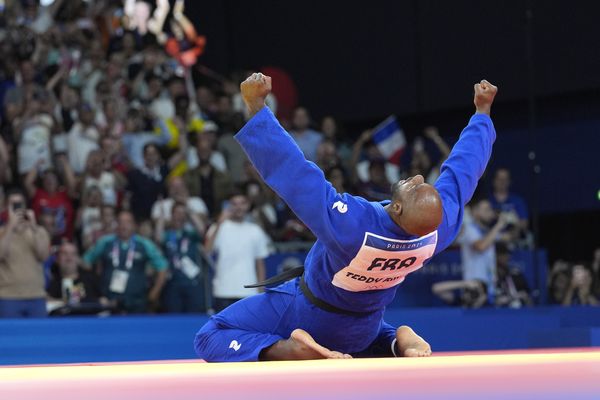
(489, 239)
(211, 236)
(41, 243)
(159, 282)
(5, 241)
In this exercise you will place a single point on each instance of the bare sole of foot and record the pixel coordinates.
(409, 344)
(300, 346)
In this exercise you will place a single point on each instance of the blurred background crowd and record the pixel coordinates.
(123, 189)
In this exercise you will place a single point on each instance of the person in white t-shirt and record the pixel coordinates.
(82, 139)
(105, 180)
(241, 247)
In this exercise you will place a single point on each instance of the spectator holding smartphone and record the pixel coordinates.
(24, 245)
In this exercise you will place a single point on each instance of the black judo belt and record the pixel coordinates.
(314, 300)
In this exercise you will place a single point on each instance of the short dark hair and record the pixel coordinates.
(236, 191)
(148, 145)
(178, 204)
(14, 190)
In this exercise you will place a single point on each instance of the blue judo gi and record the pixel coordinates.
(360, 256)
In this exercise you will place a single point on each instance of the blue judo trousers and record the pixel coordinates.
(360, 256)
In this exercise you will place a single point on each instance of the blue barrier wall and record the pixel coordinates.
(88, 339)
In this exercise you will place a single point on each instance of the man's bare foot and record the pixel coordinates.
(409, 344)
(300, 346)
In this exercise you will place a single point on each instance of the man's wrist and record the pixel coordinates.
(483, 110)
(254, 107)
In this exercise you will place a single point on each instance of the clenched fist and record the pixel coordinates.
(484, 96)
(254, 91)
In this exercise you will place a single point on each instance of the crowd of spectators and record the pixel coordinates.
(123, 189)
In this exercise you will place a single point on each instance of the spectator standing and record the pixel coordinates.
(34, 132)
(333, 132)
(24, 246)
(240, 247)
(123, 258)
(366, 174)
(477, 246)
(206, 181)
(135, 137)
(51, 197)
(307, 139)
(185, 290)
(88, 215)
(106, 226)
(179, 193)
(106, 180)
(147, 184)
(82, 139)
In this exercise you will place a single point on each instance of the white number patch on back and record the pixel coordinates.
(382, 263)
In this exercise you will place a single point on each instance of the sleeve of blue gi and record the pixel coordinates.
(332, 217)
(461, 172)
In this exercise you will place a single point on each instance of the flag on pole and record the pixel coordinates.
(389, 139)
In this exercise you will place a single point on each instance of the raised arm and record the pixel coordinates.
(468, 159)
(283, 167)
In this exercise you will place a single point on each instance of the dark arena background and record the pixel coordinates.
(129, 213)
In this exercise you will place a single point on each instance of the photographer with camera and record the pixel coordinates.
(24, 245)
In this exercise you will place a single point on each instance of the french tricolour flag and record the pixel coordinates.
(389, 139)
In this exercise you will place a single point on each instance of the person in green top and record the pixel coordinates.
(185, 290)
(123, 258)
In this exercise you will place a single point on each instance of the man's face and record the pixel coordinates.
(301, 119)
(203, 148)
(484, 213)
(86, 115)
(27, 72)
(107, 215)
(502, 180)
(326, 151)
(68, 258)
(50, 182)
(177, 189)
(16, 201)
(182, 106)
(151, 157)
(239, 207)
(125, 225)
(179, 215)
(176, 88)
(95, 162)
(205, 97)
(329, 127)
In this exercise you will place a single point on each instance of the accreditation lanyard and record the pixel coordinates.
(179, 250)
(130, 254)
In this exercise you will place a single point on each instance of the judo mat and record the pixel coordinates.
(539, 374)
